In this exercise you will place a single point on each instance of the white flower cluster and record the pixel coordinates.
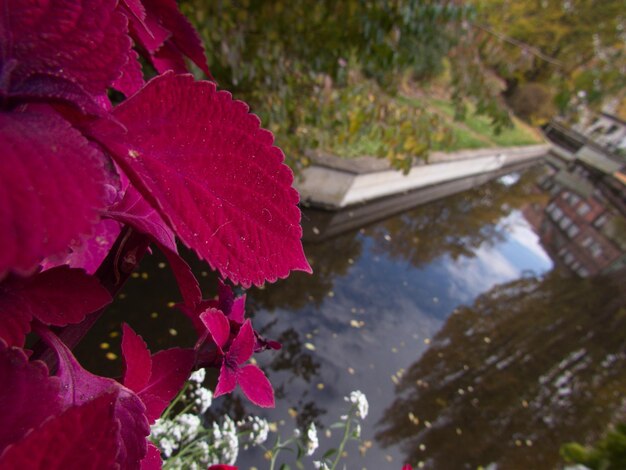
(225, 442)
(359, 399)
(312, 442)
(170, 435)
(257, 430)
(202, 397)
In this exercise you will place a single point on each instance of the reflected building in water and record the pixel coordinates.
(532, 363)
(578, 226)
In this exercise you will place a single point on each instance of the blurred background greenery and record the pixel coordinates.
(399, 78)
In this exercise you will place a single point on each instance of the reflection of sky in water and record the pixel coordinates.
(401, 307)
(521, 252)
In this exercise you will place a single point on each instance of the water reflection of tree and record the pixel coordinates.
(293, 358)
(329, 259)
(455, 226)
(536, 362)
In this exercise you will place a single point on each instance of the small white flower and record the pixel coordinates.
(359, 399)
(203, 398)
(198, 376)
(320, 465)
(167, 446)
(225, 441)
(312, 443)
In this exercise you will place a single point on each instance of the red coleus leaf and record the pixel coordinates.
(222, 466)
(137, 360)
(61, 49)
(51, 188)
(256, 386)
(227, 380)
(169, 59)
(170, 370)
(79, 386)
(203, 161)
(233, 308)
(250, 378)
(131, 79)
(184, 37)
(217, 325)
(145, 30)
(27, 395)
(185, 279)
(88, 252)
(84, 436)
(134, 210)
(242, 346)
(156, 379)
(58, 296)
(152, 460)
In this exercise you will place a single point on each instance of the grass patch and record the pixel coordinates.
(476, 131)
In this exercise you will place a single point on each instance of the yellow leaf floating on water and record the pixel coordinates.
(309, 346)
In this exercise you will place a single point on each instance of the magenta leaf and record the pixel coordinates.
(58, 296)
(84, 436)
(136, 212)
(137, 360)
(203, 161)
(217, 325)
(27, 395)
(170, 370)
(185, 279)
(237, 310)
(233, 308)
(61, 49)
(242, 346)
(184, 37)
(79, 386)
(88, 252)
(256, 386)
(152, 460)
(52, 184)
(156, 379)
(131, 79)
(145, 30)
(250, 378)
(14, 323)
(169, 59)
(227, 380)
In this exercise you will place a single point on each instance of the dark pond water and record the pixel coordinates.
(485, 327)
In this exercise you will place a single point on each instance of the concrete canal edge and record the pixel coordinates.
(335, 183)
